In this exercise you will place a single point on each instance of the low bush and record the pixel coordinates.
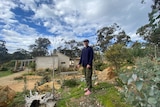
(142, 84)
(29, 73)
(18, 78)
(32, 66)
(18, 101)
(3, 69)
(48, 70)
(100, 66)
(71, 83)
(7, 66)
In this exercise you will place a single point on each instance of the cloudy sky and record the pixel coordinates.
(23, 21)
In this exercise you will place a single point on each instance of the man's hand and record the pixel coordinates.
(88, 66)
(78, 66)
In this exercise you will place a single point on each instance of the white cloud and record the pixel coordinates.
(68, 18)
(27, 4)
(6, 16)
(135, 37)
(44, 11)
(15, 40)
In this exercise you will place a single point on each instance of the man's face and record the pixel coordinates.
(85, 44)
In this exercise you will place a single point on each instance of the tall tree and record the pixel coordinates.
(3, 52)
(154, 15)
(21, 54)
(3, 49)
(118, 55)
(110, 35)
(71, 48)
(151, 31)
(40, 48)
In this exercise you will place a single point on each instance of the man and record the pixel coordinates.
(86, 62)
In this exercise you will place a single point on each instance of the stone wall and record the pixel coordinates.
(47, 62)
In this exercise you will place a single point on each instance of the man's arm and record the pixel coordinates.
(90, 56)
(80, 61)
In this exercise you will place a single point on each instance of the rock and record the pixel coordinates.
(7, 95)
(129, 67)
(96, 83)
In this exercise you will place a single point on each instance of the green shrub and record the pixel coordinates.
(118, 55)
(48, 70)
(3, 69)
(46, 78)
(63, 69)
(18, 78)
(100, 66)
(71, 83)
(142, 87)
(29, 73)
(103, 66)
(18, 101)
(7, 66)
(32, 66)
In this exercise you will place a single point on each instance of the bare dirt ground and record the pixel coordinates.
(18, 85)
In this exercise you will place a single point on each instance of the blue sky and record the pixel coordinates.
(23, 21)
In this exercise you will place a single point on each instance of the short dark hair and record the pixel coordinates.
(86, 40)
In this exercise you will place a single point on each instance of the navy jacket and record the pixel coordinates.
(86, 56)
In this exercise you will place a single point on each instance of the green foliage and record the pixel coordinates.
(71, 48)
(46, 74)
(25, 85)
(21, 54)
(71, 83)
(110, 35)
(151, 31)
(29, 73)
(48, 70)
(103, 66)
(5, 73)
(137, 50)
(104, 94)
(142, 84)
(118, 55)
(74, 92)
(7, 66)
(32, 66)
(46, 78)
(40, 48)
(108, 96)
(18, 101)
(100, 66)
(18, 78)
(4, 56)
(3, 68)
(112, 98)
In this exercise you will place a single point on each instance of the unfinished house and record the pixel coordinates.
(52, 62)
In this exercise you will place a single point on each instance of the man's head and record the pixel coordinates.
(86, 42)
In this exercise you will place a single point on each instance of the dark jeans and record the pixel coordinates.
(88, 77)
